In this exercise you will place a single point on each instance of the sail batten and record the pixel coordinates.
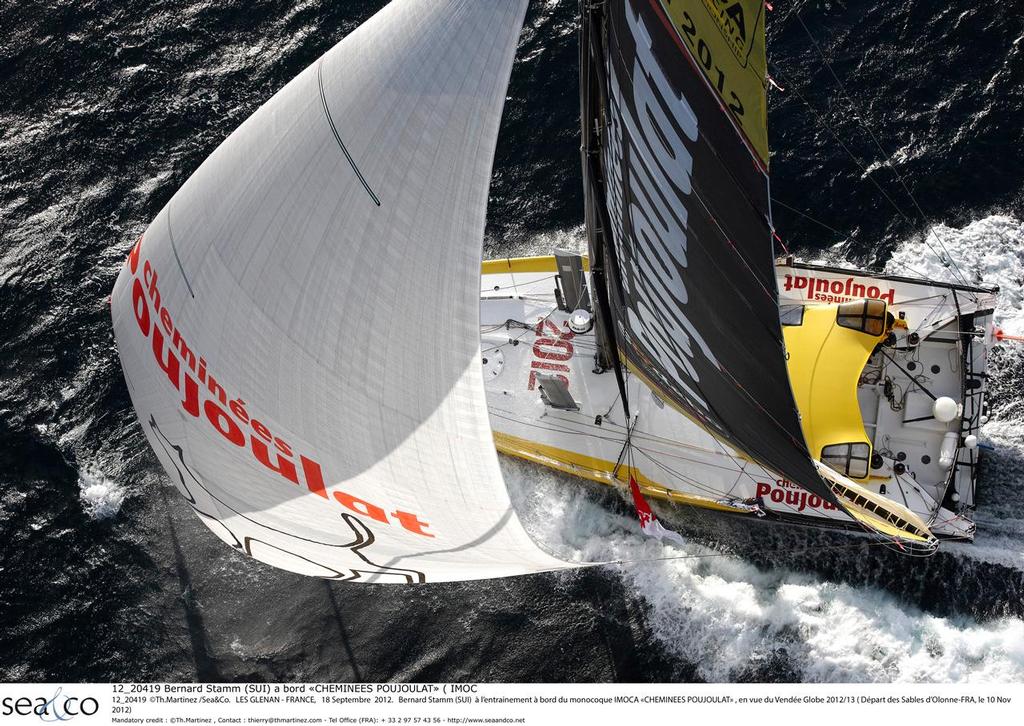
(313, 386)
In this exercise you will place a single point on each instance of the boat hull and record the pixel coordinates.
(525, 337)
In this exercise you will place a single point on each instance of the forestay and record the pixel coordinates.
(299, 325)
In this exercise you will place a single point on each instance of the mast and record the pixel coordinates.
(603, 266)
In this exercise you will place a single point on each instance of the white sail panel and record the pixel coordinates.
(299, 325)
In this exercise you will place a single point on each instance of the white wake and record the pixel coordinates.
(726, 615)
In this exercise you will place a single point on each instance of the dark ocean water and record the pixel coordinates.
(105, 574)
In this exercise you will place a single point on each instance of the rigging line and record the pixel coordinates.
(824, 123)
(728, 239)
(739, 470)
(739, 477)
(554, 429)
(607, 413)
(772, 298)
(925, 495)
(696, 511)
(651, 439)
(947, 520)
(753, 399)
(337, 136)
(625, 452)
(800, 444)
(885, 156)
(730, 435)
(904, 303)
(846, 148)
(742, 468)
(899, 484)
(537, 298)
(507, 287)
(508, 324)
(511, 341)
(917, 272)
(527, 330)
(694, 483)
(943, 299)
(719, 424)
(806, 216)
(735, 469)
(908, 374)
(863, 170)
(927, 319)
(934, 507)
(699, 516)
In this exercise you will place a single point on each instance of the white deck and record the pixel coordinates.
(676, 454)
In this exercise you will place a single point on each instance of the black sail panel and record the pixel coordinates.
(686, 197)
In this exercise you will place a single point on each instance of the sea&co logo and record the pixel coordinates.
(58, 707)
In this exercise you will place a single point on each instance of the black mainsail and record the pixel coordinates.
(675, 156)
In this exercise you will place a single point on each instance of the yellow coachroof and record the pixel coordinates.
(828, 347)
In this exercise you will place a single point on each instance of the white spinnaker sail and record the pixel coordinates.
(299, 325)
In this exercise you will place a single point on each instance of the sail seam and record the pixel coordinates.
(337, 136)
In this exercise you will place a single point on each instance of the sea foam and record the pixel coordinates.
(987, 251)
(727, 616)
(101, 497)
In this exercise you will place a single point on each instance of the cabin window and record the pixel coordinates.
(867, 316)
(849, 459)
(791, 315)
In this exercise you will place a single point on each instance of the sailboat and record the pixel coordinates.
(327, 370)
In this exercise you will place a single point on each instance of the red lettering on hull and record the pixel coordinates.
(553, 347)
(791, 495)
(823, 290)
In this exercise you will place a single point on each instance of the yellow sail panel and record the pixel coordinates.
(726, 40)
